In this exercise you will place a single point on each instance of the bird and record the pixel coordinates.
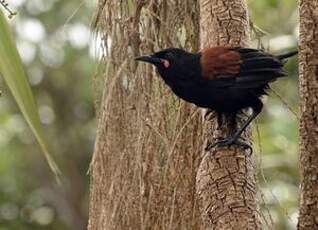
(224, 79)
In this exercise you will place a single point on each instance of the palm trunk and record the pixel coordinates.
(308, 68)
(148, 142)
(226, 183)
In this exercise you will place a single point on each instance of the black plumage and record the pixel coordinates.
(220, 78)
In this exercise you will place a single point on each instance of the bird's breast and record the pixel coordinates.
(194, 92)
(205, 96)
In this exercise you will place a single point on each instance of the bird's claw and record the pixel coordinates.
(228, 142)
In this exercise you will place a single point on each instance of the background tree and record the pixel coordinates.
(148, 144)
(309, 117)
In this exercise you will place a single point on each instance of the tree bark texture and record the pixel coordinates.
(308, 68)
(226, 184)
(148, 143)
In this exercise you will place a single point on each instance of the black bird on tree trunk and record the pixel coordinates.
(223, 79)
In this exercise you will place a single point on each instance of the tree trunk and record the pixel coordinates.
(308, 69)
(148, 142)
(226, 184)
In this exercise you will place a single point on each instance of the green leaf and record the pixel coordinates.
(11, 69)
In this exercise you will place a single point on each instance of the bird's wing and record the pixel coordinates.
(219, 61)
(253, 68)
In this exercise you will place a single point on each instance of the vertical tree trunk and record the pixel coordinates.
(148, 142)
(226, 183)
(308, 68)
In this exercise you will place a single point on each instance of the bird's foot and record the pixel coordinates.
(228, 142)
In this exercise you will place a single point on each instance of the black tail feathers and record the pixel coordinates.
(287, 55)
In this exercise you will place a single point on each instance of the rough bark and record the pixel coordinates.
(226, 184)
(148, 142)
(308, 68)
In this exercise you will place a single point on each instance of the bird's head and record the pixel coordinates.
(169, 62)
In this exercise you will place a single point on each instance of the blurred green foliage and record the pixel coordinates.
(278, 126)
(12, 71)
(53, 38)
(55, 43)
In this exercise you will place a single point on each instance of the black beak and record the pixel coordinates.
(148, 58)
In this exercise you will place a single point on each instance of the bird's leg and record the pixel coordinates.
(257, 108)
(232, 122)
(234, 139)
(219, 119)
